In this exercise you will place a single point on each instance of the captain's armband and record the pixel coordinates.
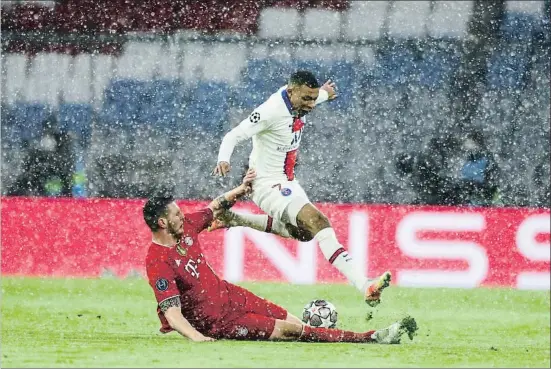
(170, 302)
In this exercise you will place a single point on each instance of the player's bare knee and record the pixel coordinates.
(299, 234)
(293, 319)
(312, 220)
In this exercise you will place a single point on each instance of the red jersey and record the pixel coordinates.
(181, 270)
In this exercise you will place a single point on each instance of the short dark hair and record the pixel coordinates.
(304, 77)
(155, 208)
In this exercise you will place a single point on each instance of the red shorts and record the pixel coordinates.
(250, 317)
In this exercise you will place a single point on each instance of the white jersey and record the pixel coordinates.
(276, 132)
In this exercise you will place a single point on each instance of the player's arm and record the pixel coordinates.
(228, 199)
(327, 92)
(254, 124)
(171, 308)
(162, 279)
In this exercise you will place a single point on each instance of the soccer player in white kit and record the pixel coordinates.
(276, 128)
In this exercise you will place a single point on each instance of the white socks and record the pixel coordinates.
(260, 222)
(333, 251)
(339, 257)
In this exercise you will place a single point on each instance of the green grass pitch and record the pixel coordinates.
(112, 323)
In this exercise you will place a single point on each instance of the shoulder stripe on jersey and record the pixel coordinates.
(285, 97)
(289, 164)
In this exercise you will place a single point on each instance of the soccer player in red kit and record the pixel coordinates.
(195, 302)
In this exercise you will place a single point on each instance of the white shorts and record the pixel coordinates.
(280, 199)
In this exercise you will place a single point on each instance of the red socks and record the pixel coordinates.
(311, 334)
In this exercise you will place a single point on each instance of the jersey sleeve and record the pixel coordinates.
(200, 219)
(162, 279)
(322, 97)
(257, 122)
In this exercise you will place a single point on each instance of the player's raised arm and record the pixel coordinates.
(327, 92)
(171, 308)
(255, 123)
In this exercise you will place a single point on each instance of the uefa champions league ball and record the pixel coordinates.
(320, 314)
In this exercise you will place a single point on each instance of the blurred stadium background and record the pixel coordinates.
(141, 87)
(441, 103)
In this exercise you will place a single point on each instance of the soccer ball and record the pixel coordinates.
(320, 314)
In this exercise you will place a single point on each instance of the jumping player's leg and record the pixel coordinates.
(310, 219)
(262, 223)
(290, 213)
(273, 199)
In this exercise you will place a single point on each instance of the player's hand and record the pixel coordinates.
(248, 181)
(217, 224)
(222, 219)
(221, 169)
(330, 87)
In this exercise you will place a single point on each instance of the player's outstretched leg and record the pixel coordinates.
(311, 224)
(375, 287)
(287, 331)
(260, 222)
(395, 331)
(310, 219)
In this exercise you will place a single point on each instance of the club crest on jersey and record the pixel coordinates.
(161, 284)
(254, 117)
(286, 191)
(188, 241)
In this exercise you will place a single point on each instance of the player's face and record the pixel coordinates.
(303, 98)
(175, 221)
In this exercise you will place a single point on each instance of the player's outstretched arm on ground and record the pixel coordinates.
(228, 199)
(172, 309)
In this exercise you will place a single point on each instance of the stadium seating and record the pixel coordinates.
(507, 67)
(123, 16)
(15, 66)
(275, 23)
(407, 19)
(393, 63)
(449, 19)
(76, 84)
(321, 24)
(396, 65)
(365, 19)
(28, 118)
(77, 119)
(164, 108)
(437, 65)
(519, 27)
(208, 108)
(261, 78)
(124, 103)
